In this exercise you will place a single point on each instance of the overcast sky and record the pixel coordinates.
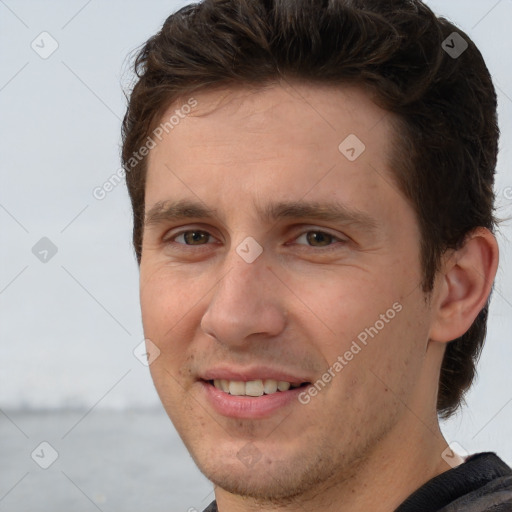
(69, 324)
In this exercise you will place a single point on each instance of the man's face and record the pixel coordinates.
(281, 254)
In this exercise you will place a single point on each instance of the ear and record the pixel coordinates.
(464, 285)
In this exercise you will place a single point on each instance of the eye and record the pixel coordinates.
(317, 239)
(194, 237)
(191, 237)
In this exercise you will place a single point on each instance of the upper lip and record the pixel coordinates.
(252, 373)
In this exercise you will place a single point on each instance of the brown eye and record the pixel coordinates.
(193, 237)
(319, 239)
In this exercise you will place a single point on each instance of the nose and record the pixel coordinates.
(245, 304)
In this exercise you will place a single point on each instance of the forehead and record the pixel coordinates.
(285, 139)
(266, 107)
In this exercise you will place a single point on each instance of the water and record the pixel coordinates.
(110, 461)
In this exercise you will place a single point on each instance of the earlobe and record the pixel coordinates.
(464, 285)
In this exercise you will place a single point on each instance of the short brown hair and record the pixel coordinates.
(398, 51)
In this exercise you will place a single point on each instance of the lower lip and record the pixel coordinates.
(246, 407)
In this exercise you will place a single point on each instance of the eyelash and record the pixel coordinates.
(171, 239)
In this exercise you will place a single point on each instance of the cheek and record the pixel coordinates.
(343, 304)
(387, 368)
(164, 298)
(169, 320)
(373, 326)
(169, 313)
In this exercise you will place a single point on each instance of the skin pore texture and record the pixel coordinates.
(248, 159)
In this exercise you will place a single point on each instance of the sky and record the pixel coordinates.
(70, 323)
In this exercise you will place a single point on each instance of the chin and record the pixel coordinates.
(275, 478)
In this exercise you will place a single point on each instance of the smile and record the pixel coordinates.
(253, 399)
(253, 388)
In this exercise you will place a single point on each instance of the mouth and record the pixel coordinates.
(255, 399)
(254, 388)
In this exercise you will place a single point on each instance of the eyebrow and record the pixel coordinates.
(169, 211)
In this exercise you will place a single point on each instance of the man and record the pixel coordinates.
(312, 188)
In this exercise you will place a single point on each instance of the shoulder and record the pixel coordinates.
(494, 495)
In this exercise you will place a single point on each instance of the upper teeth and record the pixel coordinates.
(252, 387)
